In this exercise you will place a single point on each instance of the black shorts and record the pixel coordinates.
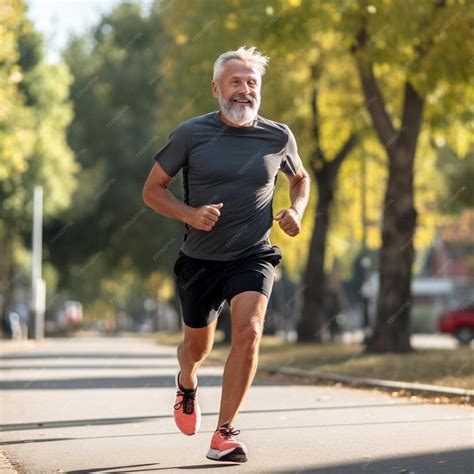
(204, 285)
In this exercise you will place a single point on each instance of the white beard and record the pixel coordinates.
(238, 114)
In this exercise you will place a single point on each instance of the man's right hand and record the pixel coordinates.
(204, 217)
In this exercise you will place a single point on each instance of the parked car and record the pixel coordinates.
(460, 322)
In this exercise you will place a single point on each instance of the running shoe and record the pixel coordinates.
(187, 413)
(224, 447)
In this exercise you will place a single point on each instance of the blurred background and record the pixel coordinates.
(379, 95)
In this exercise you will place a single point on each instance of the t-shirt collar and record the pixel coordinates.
(218, 118)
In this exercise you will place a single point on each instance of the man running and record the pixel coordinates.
(230, 159)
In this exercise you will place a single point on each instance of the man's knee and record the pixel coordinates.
(198, 342)
(247, 339)
(196, 351)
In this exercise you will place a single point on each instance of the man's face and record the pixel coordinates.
(238, 91)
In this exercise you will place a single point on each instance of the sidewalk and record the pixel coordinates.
(105, 405)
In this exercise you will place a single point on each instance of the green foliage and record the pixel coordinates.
(114, 136)
(40, 115)
(137, 77)
(34, 114)
(16, 119)
(299, 35)
(459, 172)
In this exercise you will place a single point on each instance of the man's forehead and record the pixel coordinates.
(238, 69)
(244, 76)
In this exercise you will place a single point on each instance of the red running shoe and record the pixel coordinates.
(187, 413)
(224, 447)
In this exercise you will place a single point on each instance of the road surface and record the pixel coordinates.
(89, 405)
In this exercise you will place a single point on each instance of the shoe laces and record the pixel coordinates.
(186, 402)
(228, 431)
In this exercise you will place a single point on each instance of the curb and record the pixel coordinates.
(352, 381)
(367, 382)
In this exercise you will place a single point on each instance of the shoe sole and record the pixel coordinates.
(236, 455)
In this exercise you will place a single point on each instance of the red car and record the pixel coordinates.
(459, 322)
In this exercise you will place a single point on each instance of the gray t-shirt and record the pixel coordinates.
(235, 166)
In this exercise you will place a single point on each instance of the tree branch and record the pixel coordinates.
(374, 102)
(315, 115)
(413, 101)
(412, 117)
(315, 75)
(350, 143)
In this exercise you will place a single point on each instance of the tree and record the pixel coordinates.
(16, 137)
(114, 135)
(32, 136)
(429, 38)
(195, 34)
(423, 47)
(313, 317)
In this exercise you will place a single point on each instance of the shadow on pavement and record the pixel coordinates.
(136, 419)
(89, 355)
(144, 381)
(102, 469)
(194, 467)
(151, 381)
(440, 462)
(84, 367)
(323, 426)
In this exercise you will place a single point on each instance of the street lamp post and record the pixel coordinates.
(38, 286)
(365, 262)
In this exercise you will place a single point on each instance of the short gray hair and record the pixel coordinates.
(249, 55)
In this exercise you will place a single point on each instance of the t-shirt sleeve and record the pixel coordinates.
(174, 154)
(291, 161)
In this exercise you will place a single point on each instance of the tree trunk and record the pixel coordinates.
(392, 325)
(391, 331)
(313, 319)
(7, 280)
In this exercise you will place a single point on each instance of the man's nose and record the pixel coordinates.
(245, 89)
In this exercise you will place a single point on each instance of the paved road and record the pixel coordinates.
(105, 405)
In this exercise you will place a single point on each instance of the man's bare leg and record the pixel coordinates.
(192, 351)
(248, 314)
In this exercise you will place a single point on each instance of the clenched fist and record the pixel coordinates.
(205, 217)
(289, 221)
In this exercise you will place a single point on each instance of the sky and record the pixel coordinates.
(57, 19)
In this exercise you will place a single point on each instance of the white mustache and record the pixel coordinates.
(243, 97)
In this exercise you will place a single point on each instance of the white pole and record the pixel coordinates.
(37, 283)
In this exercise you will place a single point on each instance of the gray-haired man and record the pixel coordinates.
(230, 160)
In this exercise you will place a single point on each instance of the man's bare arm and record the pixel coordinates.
(157, 196)
(299, 191)
(290, 219)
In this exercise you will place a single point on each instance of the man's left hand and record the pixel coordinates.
(289, 221)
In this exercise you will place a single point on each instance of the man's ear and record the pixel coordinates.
(214, 88)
